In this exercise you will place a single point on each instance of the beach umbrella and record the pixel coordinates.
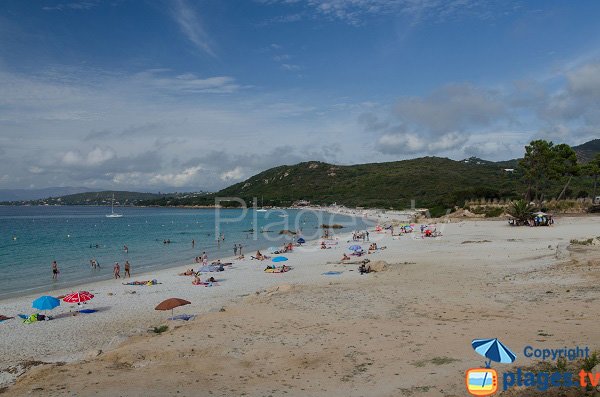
(355, 247)
(171, 304)
(78, 297)
(301, 241)
(45, 303)
(279, 259)
(493, 350)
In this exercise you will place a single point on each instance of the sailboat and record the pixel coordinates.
(112, 209)
(261, 209)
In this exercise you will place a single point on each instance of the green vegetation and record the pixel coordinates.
(590, 362)
(589, 241)
(430, 181)
(160, 329)
(487, 211)
(122, 198)
(521, 210)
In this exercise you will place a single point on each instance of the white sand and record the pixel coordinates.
(501, 250)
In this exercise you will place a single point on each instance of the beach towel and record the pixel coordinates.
(183, 317)
(210, 268)
(4, 318)
(88, 311)
(331, 273)
(278, 270)
(147, 282)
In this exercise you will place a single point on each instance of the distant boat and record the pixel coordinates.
(112, 209)
(261, 209)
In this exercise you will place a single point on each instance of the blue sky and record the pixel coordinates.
(181, 94)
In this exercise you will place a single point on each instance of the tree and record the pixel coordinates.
(593, 169)
(564, 163)
(537, 168)
(521, 210)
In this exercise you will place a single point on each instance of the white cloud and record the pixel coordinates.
(232, 175)
(94, 157)
(187, 83)
(354, 12)
(191, 26)
(411, 143)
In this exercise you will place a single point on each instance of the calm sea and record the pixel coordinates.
(32, 237)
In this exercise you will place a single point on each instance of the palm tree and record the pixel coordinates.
(521, 210)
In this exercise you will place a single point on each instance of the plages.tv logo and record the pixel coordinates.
(484, 381)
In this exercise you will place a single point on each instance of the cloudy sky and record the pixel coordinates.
(196, 95)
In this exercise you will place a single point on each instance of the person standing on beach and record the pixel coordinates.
(117, 270)
(127, 269)
(240, 249)
(235, 249)
(204, 258)
(55, 270)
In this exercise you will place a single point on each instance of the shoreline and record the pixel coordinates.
(147, 270)
(126, 312)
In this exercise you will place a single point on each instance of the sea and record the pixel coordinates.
(31, 237)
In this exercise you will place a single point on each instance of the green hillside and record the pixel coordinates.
(431, 181)
(95, 198)
(587, 151)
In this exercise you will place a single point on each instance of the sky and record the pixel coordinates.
(182, 95)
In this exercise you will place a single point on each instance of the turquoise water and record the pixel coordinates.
(32, 237)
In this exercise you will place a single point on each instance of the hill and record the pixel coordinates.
(430, 181)
(34, 194)
(587, 151)
(93, 198)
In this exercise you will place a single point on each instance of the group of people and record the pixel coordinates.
(117, 270)
(202, 258)
(94, 264)
(357, 236)
(237, 249)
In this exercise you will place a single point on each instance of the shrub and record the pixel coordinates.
(160, 329)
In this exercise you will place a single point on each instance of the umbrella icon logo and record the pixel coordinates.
(484, 381)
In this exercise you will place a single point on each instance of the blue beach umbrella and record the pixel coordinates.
(355, 247)
(279, 259)
(301, 240)
(494, 350)
(45, 303)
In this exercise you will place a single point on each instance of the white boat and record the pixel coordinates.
(261, 209)
(112, 209)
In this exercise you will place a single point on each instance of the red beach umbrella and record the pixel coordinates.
(78, 297)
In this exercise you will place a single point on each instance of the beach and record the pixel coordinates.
(403, 331)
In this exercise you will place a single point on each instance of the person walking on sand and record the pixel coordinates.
(55, 270)
(117, 270)
(127, 269)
